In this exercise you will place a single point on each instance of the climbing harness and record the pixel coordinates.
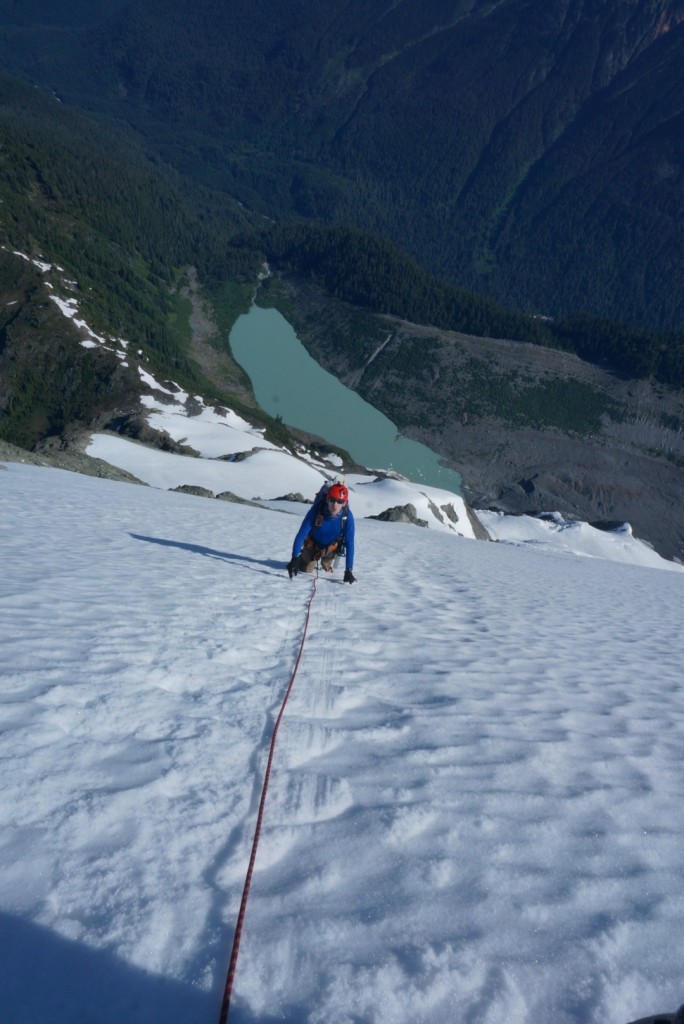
(325, 558)
(225, 1005)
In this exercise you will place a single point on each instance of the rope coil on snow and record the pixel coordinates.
(225, 1005)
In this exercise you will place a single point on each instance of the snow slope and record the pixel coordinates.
(474, 811)
(233, 456)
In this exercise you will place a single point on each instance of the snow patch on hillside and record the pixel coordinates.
(234, 456)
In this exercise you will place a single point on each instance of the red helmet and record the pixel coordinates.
(339, 492)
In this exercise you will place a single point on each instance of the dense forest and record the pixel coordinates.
(125, 227)
(528, 151)
(369, 272)
(122, 228)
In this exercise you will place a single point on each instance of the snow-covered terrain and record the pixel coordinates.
(474, 809)
(235, 458)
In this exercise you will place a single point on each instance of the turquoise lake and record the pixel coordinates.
(289, 383)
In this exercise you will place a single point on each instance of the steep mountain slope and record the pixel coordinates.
(89, 220)
(474, 811)
(529, 148)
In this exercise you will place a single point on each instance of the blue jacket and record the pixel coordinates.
(327, 532)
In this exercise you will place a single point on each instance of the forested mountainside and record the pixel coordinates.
(87, 218)
(99, 237)
(371, 273)
(123, 227)
(530, 150)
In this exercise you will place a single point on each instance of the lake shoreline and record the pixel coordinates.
(290, 385)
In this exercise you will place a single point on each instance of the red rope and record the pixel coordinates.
(225, 1006)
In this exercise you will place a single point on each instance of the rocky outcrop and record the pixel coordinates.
(56, 452)
(400, 514)
(237, 500)
(296, 496)
(199, 492)
(136, 426)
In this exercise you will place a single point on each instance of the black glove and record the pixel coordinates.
(349, 576)
(293, 567)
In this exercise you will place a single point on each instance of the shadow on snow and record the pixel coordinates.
(199, 549)
(47, 977)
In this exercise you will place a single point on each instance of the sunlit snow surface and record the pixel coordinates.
(475, 806)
